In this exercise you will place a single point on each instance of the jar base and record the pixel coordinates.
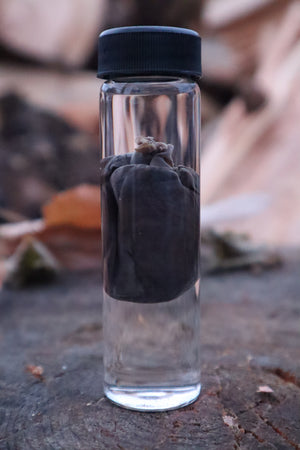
(152, 398)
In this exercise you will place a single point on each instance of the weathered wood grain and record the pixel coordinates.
(250, 338)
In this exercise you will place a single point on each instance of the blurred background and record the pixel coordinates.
(49, 117)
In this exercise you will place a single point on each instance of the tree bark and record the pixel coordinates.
(249, 341)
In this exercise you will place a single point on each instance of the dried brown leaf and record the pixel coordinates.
(70, 230)
(78, 207)
(74, 248)
(36, 371)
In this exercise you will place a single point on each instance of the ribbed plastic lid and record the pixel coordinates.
(147, 50)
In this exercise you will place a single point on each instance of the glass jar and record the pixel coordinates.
(150, 202)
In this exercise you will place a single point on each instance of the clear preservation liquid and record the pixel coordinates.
(151, 347)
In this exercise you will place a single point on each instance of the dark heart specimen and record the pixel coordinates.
(150, 224)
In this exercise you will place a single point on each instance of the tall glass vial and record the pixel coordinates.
(150, 201)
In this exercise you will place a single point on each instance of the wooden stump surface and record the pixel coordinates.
(250, 340)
